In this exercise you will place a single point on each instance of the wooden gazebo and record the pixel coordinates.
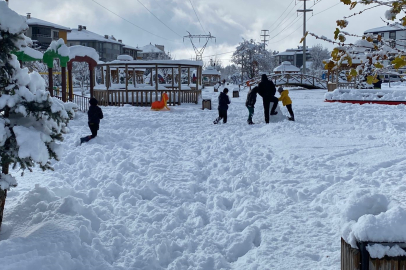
(133, 91)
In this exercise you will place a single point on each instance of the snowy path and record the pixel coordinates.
(170, 190)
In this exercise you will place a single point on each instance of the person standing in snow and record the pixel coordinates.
(224, 100)
(250, 103)
(267, 91)
(286, 101)
(94, 115)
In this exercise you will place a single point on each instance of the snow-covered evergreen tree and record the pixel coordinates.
(31, 121)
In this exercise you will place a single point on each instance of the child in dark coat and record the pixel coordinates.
(250, 103)
(224, 100)
(94, 115)
(286, 101)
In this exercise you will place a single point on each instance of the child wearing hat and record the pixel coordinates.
(286, 101)
(224, 100)
(251, 100)
(93, 115)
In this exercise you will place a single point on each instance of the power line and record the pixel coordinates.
(204, 31)
(157, 18)
(133, 23)
(284, 19)
(282, 14)
(301, 26)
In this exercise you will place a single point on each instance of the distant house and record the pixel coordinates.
(294, 56)
(135, 53)
(151, 52)
(43, 33)
(394, 33)
(107, 46)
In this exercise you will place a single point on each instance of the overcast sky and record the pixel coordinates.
(165, 22)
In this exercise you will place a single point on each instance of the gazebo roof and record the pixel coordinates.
(211, 71)
(286, 67)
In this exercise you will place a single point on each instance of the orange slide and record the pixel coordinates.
(160, 105)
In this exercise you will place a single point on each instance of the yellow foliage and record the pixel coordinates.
(399, 62)
(371, 79)
(378, 65)
(336, 32)
(353, 72)
(346, 2)
(329, 65)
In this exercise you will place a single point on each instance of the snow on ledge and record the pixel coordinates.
(370, 217)
(366, 94)
(378, 251)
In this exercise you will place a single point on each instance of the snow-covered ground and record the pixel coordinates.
(170, 190)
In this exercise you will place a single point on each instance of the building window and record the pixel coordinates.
(55, 35)
(392, 35)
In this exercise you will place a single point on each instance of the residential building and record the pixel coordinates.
(151, 52)
(107, 46)
(135, 53)
(294, 56)
(43, 33)
(395, 34)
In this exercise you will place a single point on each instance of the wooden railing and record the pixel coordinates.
(81, 101)
(145, 97)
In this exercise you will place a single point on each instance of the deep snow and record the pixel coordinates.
(170, 190)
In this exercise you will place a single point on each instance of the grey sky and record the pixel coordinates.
(228, 20)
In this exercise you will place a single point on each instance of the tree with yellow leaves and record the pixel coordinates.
(374, 53)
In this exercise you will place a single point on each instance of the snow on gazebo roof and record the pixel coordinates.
(211, 71)
(83, 51)
(124, 57)
(286, 67)
(34, 21)
(150, 49)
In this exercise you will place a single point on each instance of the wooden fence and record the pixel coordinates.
(359, 259)
(145, 97)
(81, 101)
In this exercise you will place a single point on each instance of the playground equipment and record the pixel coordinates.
(160, 105)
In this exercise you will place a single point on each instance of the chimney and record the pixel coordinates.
(84, 27)
(106, 36)
(80, 28)
(120, 40)
(28, 15)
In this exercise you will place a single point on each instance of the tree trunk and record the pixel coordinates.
(3, 195)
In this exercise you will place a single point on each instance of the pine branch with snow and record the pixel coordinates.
(31, 121)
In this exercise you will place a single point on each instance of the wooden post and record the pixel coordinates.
(91, 74)
(197, 78)
(188, 76)
(50, 82)
(173, 80)
(156, 78)
(64, 84)
(179, 83)
(150, 79)
(70, 83)
(108, 77)
(102, 75)
(126, 83)
(134, 77)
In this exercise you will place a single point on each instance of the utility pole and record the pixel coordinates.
(264, 35)
(304, 10)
